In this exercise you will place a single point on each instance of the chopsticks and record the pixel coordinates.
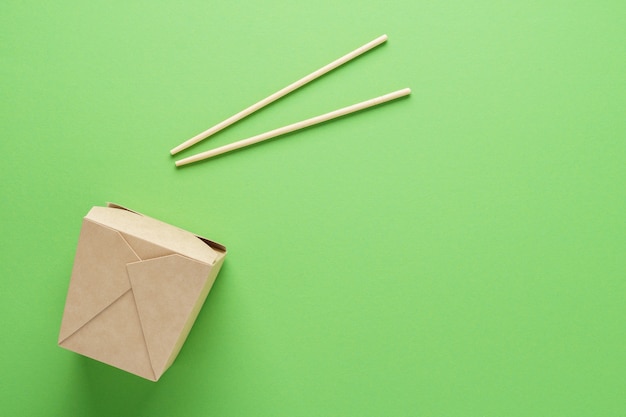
(292, 127)
(295, 126)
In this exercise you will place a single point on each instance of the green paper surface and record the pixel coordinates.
(460, 252)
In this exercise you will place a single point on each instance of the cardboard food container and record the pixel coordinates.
(136, 288)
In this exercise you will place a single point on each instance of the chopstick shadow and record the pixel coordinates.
(295, 132)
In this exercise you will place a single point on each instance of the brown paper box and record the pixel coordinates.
(136, 289)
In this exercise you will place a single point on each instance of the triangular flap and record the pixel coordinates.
(115, 338)
(155, 231)
(144, 249)
(166, 292)
(99, 275)
(213, 244)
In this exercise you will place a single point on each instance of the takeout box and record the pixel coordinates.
(136, 288)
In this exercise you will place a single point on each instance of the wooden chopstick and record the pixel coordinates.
(295, 126)
(279, 94)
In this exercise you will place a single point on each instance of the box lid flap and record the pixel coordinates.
(154, 231)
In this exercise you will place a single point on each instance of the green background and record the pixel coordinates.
(456, 253)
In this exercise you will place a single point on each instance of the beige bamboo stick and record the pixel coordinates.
(295, 126)
(279, 94)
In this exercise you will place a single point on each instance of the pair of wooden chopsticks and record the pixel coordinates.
(292, 127)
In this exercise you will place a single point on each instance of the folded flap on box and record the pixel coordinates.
(166, 291)
(115, 337)
(213, 244)
(99, 275)
(154, 231)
